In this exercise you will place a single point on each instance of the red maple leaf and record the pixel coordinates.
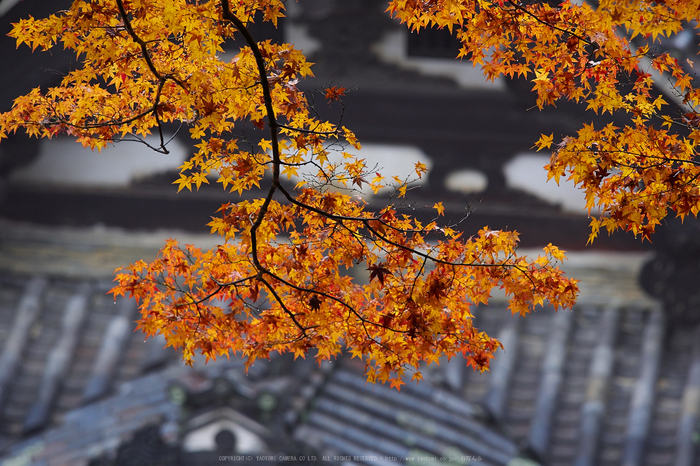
(335, 93)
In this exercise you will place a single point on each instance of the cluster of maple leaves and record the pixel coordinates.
(585, 52)
(280, 279)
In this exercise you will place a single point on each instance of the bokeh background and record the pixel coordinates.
(615, 381)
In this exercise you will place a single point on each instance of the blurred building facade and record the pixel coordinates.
(606, 384)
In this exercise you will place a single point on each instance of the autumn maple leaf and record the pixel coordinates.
(379, 272)
(335, 93)
(315, 303)
(278, 281)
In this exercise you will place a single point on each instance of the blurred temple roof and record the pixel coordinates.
(605, 384)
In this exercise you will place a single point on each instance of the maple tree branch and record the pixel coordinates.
(138, 40)
(274, 128)
(321, 212)
(663, 159)
(260, 63)
(104, 123)
(228, 15)
(333, 298)
(521, 8)
(240, 281)
(199, 301)
(162, 79)
(341, 218)
(284, 307)
(366, 221)
(435, 259)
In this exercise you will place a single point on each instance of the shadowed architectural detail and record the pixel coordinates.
(603, 385)
(690, 410)
(671, 275)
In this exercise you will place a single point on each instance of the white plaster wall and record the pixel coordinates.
(526, 172)
(63, 162)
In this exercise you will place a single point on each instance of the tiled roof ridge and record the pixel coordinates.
(101, 426)
(415, 426)
(419, 420)
(620, 354)
(601, 369)
(597, 374)
(643, 395)
(690, 410)
(60, 358)
(68, 344)
(27, 311)
(541, 425)
(113, 345)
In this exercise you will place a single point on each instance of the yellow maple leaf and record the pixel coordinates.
(545, 142)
